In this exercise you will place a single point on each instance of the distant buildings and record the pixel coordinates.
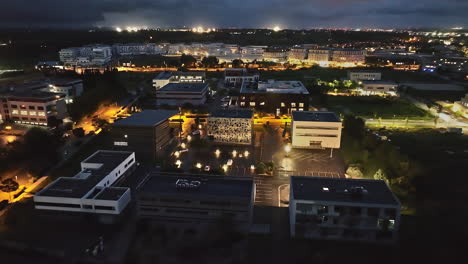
(91, 190)
(364, 76)
(90, 55)
(146, 133)
(343, 209)
(278, 97)
(348, 57)
(275, 54)
(315, 130)
(32, 107)
(234, 126)
(237, 76)
(177, 94)
(194, 202)
(167, 77)
(131, 49)
(378, 88)
(315, 55)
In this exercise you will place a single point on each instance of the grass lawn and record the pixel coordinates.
(376, 107)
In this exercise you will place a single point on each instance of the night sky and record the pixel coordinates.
(234, 13)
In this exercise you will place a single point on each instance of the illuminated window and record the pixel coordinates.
(41, 114)
(293, 104)
(23, 112)
(283, 104)
(120, 143)
(262, 103)
(32, 113)
(301, 104)
(252, 103)
(242, 104)
(14, 112)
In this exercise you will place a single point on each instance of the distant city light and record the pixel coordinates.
(276, 28)
(217, 152)
(118, 29)
(198, 165)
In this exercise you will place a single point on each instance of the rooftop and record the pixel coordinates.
(165, 75)
(34, 95)
(146, 118)
(314, 116)
(83, 182)
(275, 87)
(211, 187)
(184, 87)
(342, 190)
(111, 193)
(233, 113)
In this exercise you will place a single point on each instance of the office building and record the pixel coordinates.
(320, 56)
(277, 97)
(315, 130)
(237, 76)
(364, 76)
(233, 126)
(177, 94)
(194, 202)
(146, 133)
(68, 55)
(132, 49)
(275, 54)
(71, 88)
(378, 88)
(297, 54)
(32, 107)
(348, 57)
(167, 77)
(343, 209)
(91, 190)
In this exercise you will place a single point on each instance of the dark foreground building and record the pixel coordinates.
(146, 133)
(195, 201)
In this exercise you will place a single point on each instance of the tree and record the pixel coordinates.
(9, 185)
(354, 126)
(237, 63)
(79, 132)
(210, 62)
(188, 60)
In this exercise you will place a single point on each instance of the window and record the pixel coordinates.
(41, 114)
(40, 108)
(14, 112)
(301, 104)
(100, 207)
(22, 106)
(252, 103)
(87, 206)
(14, 106)
(283, 104)
(242, 104)
(57, 204)
(31, 107)
(262, 103)
(32, 113)
(120, 143)
(293, 104)
(24, 112)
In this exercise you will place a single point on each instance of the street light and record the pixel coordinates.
(246, 153)
(189, 138)
(225, 167)
(234, 153)
(252, 167)
(217, 153)
(182, 145)
(198, 165)
(177, 154)
(178, 163)
(287, 148)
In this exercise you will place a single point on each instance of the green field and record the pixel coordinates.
(376, 107)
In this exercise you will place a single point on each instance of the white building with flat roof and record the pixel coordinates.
(364, 76)
(315, 130)
(166, 77)
(343, 209)
(384, 88)
(91, 190)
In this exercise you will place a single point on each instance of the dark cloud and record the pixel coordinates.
(239, 13)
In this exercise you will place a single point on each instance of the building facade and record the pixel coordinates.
(364, 76)
(348, 57)
(33, 107)
(378, 88)
(146, 133)
(166, 77)
(343, 209)
(315, 130)
(276, 97)
(91, 190)
(196, 201)
(237, 76)
(233, 126)
(177, 94)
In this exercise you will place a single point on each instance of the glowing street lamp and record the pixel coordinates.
(234, 153)
(252, 167)
(287, 148)
(183, 145)
(225, 167)
(189, 138)
(178, 163)
(217, 153)
(246, 153)
(177, 154)
(198, 165)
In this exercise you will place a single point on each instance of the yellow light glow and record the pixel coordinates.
(276, 28)
(118, 29)
(198, 165)
(246, 153)
(225, 167)
(183, 145)
(234, 153)
(217, 152)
